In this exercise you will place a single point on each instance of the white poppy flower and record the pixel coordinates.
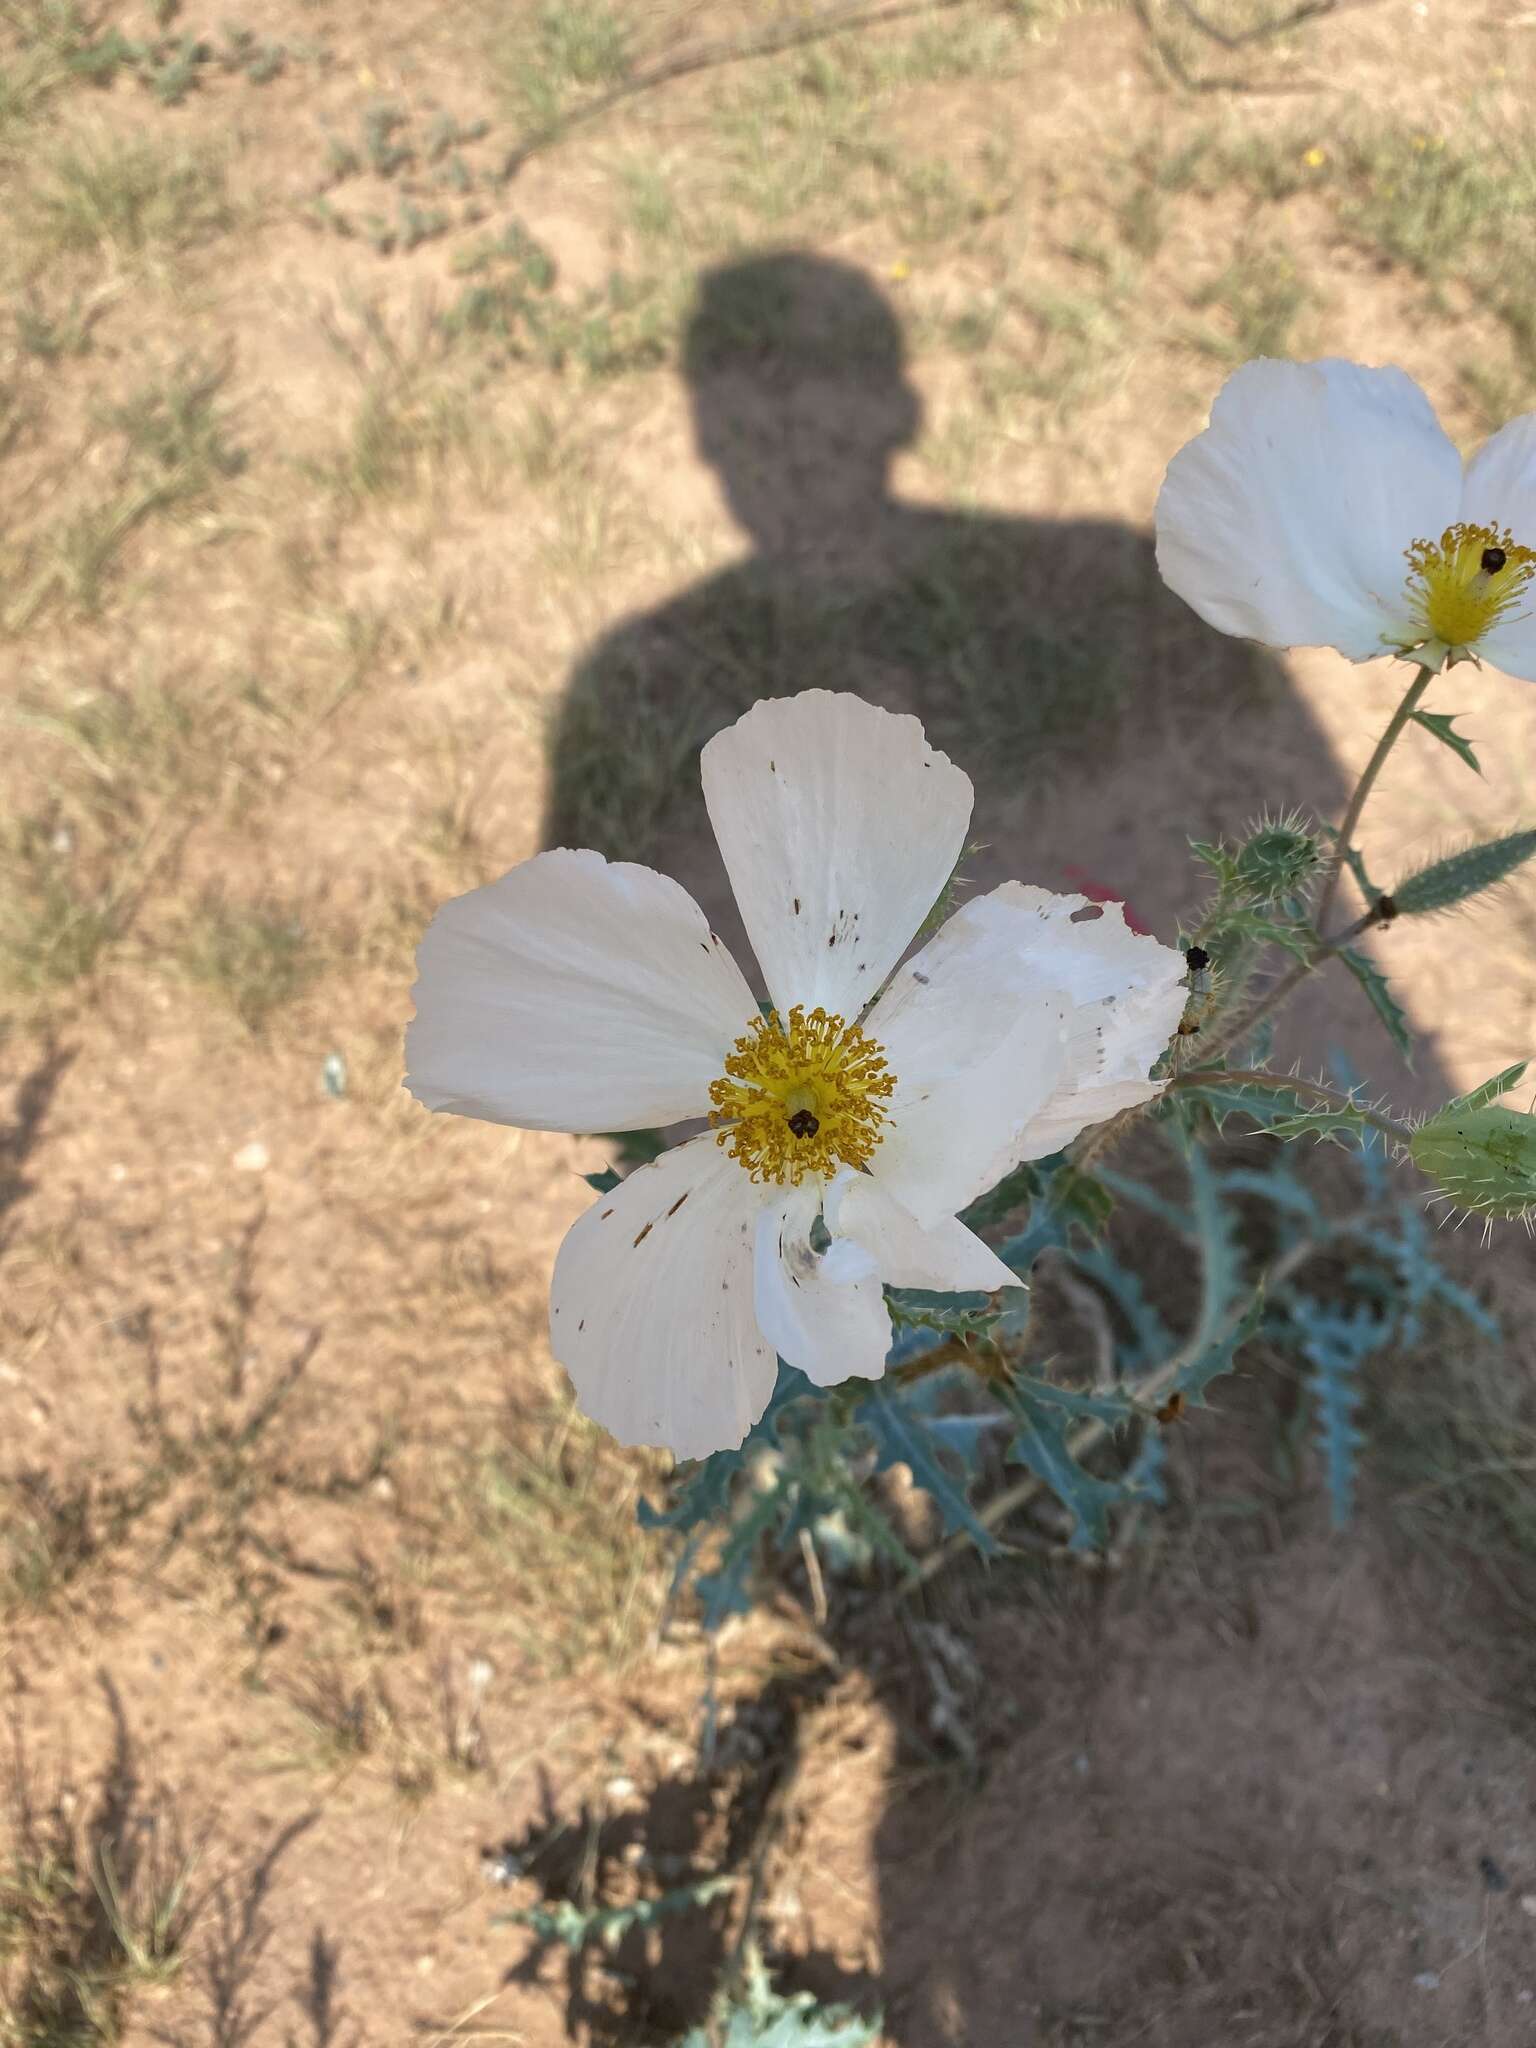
(1324, 506)
(576, 994)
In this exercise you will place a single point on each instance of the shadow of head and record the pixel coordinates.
(801, 399)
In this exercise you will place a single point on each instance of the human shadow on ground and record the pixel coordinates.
(1102, 722)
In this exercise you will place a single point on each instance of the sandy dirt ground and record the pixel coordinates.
(334, 581)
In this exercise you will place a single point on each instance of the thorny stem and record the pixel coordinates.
(1333, 875)
(1363, 787)
(1091, 1145)
(1243, 1023)
(1240, 1026)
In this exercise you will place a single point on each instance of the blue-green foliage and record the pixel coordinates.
(1336, 1343)
(905, 1431)
(752, 2015)
(705, 1499)
(759, 2017)
(562, 1923)
(1044, 1444)
(1097, 1448)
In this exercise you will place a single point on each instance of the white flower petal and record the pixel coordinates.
(824, 1312)
(1500, 491)
(975, 1036)
(1511, 645)
(573, 995)
(1127, 993)
(651, 1305)
(947, 1257)
(1286, 520)
(839, 826)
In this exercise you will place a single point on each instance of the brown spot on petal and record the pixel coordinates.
(680, 1201)
(645, 1231)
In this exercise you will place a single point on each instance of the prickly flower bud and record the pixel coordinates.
(1483, 1158)
(1277, 861)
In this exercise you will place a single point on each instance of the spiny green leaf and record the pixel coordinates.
(1068, 1200)
(1217, 1357)
(704, 1488)
(1012, 1192)
(901, 1438)
(1150, 1336)
(564, 1921)
(1276, 1184)
(727, 1589)
(1221, 863)
(951, 1315)
(1440, 723)
(1320, 1123)
(1078, 1197)
(1445, 883)
(1382, 1000)
(1370, 1148)
(1114, 1409)
(1356, 865)
(1490, 1091)
(1044, 1446)
(1084, 1198)
(1336, 1344)
(1298, 940)
(757, 2016)
(1140, 1196)
(1221, 1276)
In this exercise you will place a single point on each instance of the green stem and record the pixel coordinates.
(1227, 1034)
(1242, 1025)
(1363, 788)
(1093, 1142)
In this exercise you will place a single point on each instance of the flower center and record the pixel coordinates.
(801, 1098)
(1464, 583)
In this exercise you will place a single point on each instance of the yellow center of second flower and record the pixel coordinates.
(802, 1097)
(1464, 583)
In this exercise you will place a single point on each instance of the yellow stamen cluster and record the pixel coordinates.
(1464, 583)
(801, 1098)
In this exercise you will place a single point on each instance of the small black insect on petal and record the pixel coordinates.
(1494, 560)
(803, 1124)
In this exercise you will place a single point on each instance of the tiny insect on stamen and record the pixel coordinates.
(1462, 585)
(801, 1096)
